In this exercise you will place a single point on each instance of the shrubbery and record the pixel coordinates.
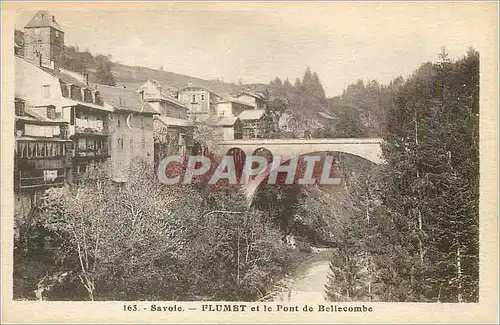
(146, 241)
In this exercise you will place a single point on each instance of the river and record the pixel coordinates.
(308, 285)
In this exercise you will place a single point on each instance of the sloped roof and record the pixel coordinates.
(200, 87)
(233, 100)
(65, 102)
(124, 99)
(65, 77)
(43, 19)
(252, 114)
(168, 99)
(172, 121)
(39, 117)
(227, 121)
(32, 115)
(165, 94)
(36, 118)
(249, 93)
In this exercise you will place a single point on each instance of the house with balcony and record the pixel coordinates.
(73, 101)
(42, 153)
(40, 81)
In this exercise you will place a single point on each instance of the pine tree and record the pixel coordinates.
(318, 88)
(432, 188)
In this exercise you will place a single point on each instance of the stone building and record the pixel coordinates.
(201, 101)
(130, 130)
(43, 40)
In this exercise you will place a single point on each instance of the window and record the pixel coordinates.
(87, 95)
(131, 143)
(202, 97)
(118, 121)
(51, 112)
(57, 33)
(143, 143)
(120, 144)
(142, 122)
(19, 104)
(98, 99)
(76, 93)
(194, 99)
(46, 91)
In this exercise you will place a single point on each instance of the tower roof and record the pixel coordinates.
(43, 19)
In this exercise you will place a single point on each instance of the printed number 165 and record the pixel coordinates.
(129, 307)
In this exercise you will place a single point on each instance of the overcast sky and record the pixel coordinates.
(341, 42)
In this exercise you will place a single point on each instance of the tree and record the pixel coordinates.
(318, 88)
(103, 71)
(113, 234)
(432, 150)
(276, 82)
(349, 124)
(206, 135)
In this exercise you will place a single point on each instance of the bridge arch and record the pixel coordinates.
(260, 180)
(264, 152)
(239, 158)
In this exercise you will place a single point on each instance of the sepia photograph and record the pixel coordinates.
(240, 155)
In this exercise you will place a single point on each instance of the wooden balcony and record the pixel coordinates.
(62, 161)
(23, 181)
(92, 153)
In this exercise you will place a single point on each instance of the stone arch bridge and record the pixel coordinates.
(369, 149)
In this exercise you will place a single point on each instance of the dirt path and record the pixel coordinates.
(308, 284)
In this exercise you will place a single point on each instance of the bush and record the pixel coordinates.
(148, 241)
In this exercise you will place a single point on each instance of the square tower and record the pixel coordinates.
(43, 40)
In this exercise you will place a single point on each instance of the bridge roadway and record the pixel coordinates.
(369, 149)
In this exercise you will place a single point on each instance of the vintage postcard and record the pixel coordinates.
(249, 162)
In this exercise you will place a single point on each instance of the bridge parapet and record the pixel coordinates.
(368, 148)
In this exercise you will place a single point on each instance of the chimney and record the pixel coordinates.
(142, 95)
(54, 19)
